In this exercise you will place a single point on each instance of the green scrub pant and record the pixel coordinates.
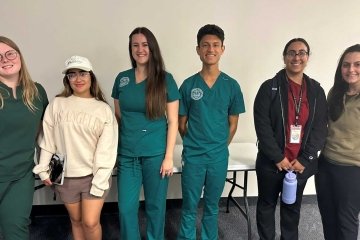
(132, 173)
(16, 199)
(196, 177)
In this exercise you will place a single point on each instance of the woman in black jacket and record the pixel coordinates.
(291, 126)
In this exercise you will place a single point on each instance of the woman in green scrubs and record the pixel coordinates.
(22, 104)
(146, 101)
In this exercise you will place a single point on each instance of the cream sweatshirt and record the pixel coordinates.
(86, 132)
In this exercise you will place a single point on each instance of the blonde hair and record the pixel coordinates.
(30, 92)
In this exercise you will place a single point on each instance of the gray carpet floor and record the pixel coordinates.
(50, 224)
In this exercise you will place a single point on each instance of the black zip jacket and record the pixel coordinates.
(270, 116)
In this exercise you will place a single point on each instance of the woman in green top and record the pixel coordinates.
(22, 104)
(146, 101)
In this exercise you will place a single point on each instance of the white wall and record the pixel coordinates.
(256, 31)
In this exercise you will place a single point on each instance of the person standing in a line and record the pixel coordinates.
(146, 101)
(338, 179)
(22, 105)
(211, 102)
(291, 127)
(80, 125)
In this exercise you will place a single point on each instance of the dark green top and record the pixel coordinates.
(140, 136)
(208, 111)
(18, 130)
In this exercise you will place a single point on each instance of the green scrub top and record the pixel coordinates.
(208, 111)
(18, 130)
(138, 135)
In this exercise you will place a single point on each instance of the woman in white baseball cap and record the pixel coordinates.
(80, 125)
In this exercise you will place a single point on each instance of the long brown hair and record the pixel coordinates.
(30, 92)
(336, 94)
(95, 89)
(156, 83)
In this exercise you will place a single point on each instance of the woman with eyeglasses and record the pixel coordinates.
(291, 126)
(146, 101)
(22, 104)
(337, 182)
(80, 125)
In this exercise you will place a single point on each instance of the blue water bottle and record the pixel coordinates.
(289, 188)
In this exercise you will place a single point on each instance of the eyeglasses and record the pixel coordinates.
(301, 53)
(74, 76)
(9, 55)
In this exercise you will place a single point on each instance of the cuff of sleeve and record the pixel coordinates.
(41, 171)
(306, 160)
(96, 191)
(43, 176)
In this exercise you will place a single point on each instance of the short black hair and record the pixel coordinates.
(210, 29)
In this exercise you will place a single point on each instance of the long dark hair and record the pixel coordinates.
(336, 94)
(95, 89)
(156, 84)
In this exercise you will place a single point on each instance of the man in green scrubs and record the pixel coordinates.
(210, 105)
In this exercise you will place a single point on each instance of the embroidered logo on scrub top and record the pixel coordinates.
(196, 93)
(4, 93)
(124, 81)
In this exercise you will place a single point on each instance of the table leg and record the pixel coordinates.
(244, 212)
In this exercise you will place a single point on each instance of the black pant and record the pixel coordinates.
(269, 187)
(338, 193)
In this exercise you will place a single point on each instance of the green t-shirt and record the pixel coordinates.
(18, 130)
(138, 135)
(208, 111)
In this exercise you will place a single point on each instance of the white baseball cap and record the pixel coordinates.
(77, 62)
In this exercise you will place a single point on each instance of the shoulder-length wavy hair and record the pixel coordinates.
(156, 83)
(30, 92)
(95, 89)
(336, 94)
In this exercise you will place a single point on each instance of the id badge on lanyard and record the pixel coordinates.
(295, 133)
